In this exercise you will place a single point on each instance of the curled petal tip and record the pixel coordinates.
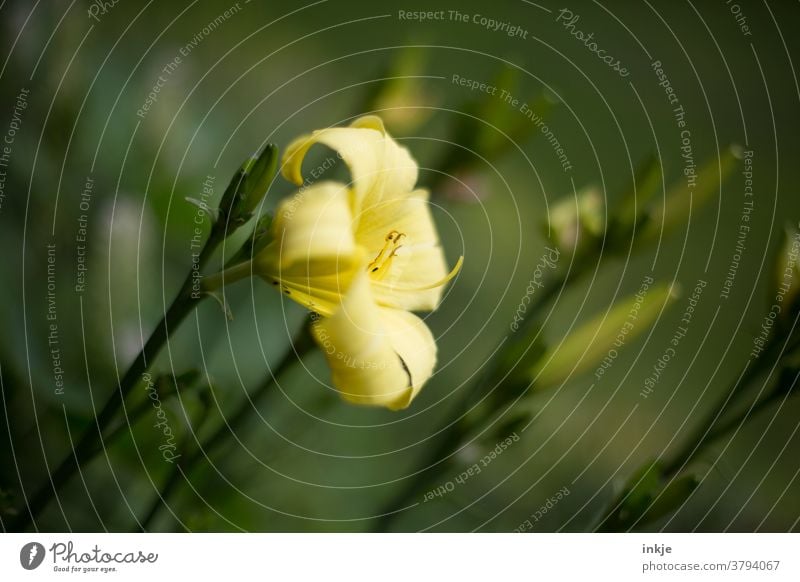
(370, 122)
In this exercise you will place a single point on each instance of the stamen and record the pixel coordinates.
(381, 263)
(438, 283)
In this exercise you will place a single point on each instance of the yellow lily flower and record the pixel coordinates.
(362, 256)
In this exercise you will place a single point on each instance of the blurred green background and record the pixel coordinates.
(305, 461)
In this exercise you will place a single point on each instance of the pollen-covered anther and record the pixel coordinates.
(381, 263)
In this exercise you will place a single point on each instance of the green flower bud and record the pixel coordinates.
(576, 223)
(258, 180)
(680, 201)
(592, 342)
(233, 193)
(258, 239)
(248, 187)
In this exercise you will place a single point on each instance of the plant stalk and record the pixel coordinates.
(182, 468)
(92, 440)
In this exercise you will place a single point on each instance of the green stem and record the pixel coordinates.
(183, 467)
(228, 276)
(91, 441)
(131, 419)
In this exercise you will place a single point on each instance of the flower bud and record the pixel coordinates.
(258, 179)
(592, 342)
(680, 202)
(233, 193)
(575, 222)
(248, 187)
(257, 241)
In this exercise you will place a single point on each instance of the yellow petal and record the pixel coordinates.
(378, 356)
(380, 169)
(413, 342)
(418, 262)
(313, 256)
(314, 228)
(318, 293)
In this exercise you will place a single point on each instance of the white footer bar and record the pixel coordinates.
(400, 557)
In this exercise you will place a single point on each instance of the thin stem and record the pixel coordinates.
(228, 276)
(91, 441)
(182, 468)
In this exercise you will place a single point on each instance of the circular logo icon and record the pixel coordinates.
(31, 555)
